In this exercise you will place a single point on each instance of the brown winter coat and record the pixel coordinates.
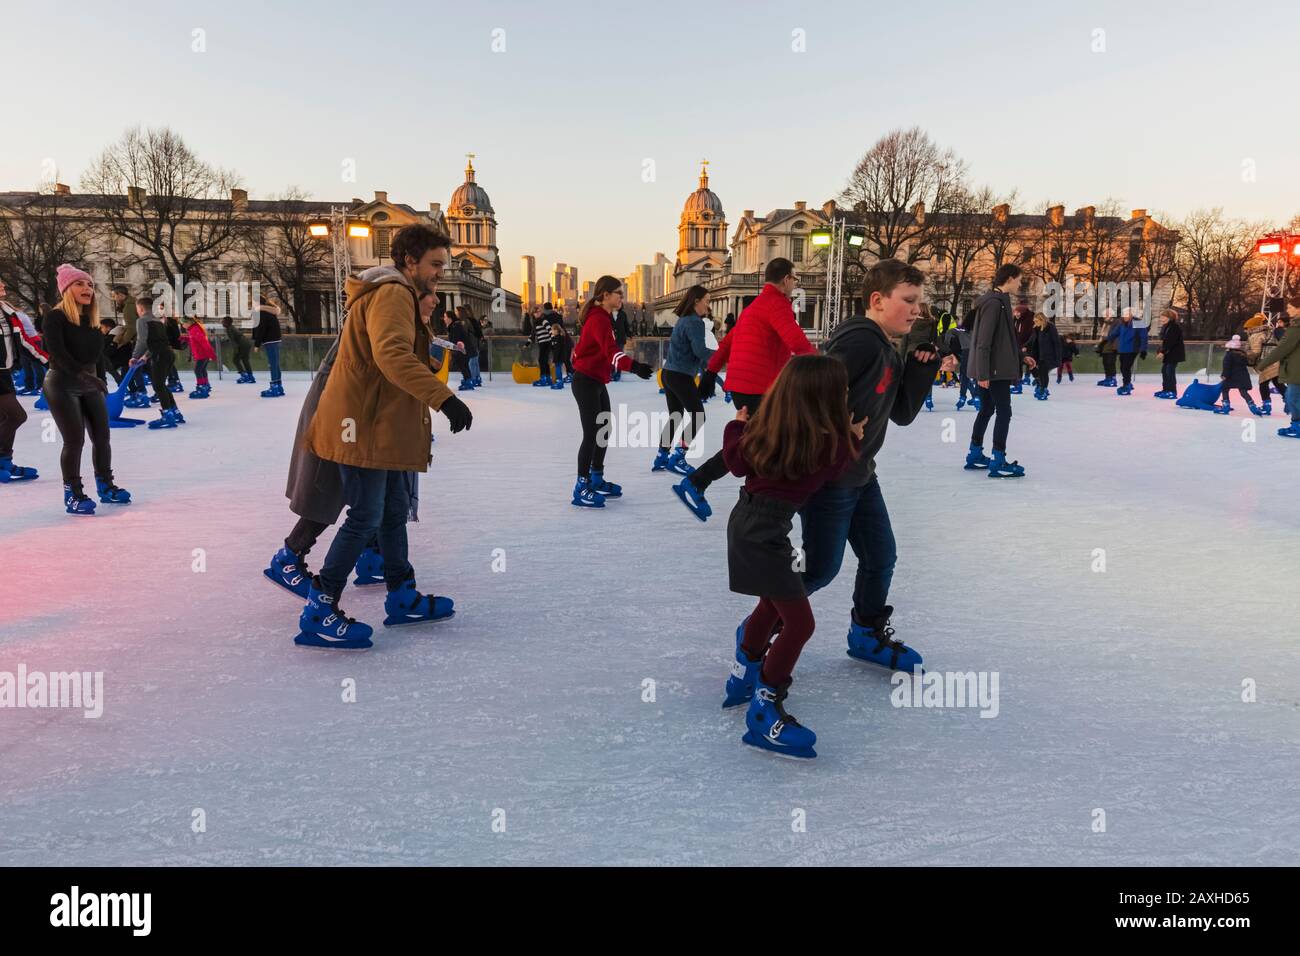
(374, 410)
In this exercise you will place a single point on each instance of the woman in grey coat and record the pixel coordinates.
(315, 492)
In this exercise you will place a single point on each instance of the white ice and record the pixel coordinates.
(1121, 690)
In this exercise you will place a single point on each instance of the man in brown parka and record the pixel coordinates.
(373, 422)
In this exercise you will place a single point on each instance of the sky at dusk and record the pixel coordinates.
(1186, 106)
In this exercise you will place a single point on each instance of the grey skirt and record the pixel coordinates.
(760, 559)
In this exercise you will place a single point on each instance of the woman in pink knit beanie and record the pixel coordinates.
(75, 388)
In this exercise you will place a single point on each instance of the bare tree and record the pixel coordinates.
(1216, 265)
(957, 246)
(39, 232)
(163, 199)
(280, 251)
(1002, 235)
(1055, 243)
(1156, 259)
(903, 169)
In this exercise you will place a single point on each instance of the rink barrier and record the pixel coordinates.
(303, 353)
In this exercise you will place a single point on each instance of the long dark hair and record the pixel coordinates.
(604, 286)
(693, 295)
(802, 420)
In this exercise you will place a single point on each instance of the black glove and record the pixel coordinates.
(458, 414)
(1142, 356)
(708, 383)
(641, 370)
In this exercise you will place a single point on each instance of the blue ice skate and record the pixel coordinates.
(874, 643)
(999, 467)
(600, 486)
(769, 727)
(76, 503)
(369, 568)
(584, 497)
(693, 499)
(111, 494)
(976, 459)
(322, 624)
(677, 462)
(11, 472)
(406, 605)
(290, 571)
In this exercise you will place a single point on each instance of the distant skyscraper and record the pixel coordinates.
(528, 280)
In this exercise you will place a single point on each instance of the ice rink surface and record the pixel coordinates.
(526, 729)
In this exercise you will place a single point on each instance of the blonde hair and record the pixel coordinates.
(1040, 320)
(78, 313)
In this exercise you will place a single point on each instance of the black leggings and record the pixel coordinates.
(1041, 376)
(592, 398)
(544, 358)
(159, 370)
(995, 398)
(304, 536)
(1225, 388)
(78, 408)
(682, 397)
(12, 415)
(715, 467)
(1169, 376)
(1108, 364)
(1126, 360)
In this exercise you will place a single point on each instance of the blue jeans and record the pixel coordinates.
(273, 359)
(856, 516)
(378, 503)
(1291, 401)
(473, 368)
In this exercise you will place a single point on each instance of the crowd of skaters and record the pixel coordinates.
(808, 426)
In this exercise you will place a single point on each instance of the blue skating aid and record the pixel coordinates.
(406, 605)
(769, 727)
(1200, 395)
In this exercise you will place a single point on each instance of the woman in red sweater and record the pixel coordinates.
(595, 358)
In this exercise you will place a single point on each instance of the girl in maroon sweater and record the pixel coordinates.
(594, 359)
(800, 437)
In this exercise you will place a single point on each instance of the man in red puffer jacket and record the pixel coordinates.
(754, 352)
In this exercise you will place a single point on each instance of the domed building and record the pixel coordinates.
(701, 236)
(472, 224)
